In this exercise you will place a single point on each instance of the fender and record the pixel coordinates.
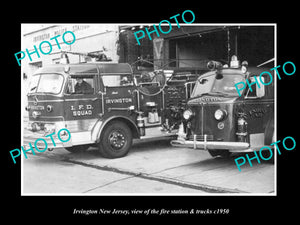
(100, 124)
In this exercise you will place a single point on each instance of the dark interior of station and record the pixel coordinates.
(191, 47)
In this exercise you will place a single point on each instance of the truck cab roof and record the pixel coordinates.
(88, 68)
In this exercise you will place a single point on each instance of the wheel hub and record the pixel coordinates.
(117, 140)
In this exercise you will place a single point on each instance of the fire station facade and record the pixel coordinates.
(187, 48)
(191, 47)
(90, 38)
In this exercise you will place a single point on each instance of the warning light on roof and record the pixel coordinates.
(234, 63)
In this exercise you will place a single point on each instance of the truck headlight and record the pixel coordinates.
(187, 114)
(220, 114)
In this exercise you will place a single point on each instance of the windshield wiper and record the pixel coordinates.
(33, 88)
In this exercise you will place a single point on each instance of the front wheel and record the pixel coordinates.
(116, 140)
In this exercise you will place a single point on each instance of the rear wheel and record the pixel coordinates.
(221, 153)
(116, 140)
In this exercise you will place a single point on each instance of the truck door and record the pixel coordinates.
(83, 103)
(119, 93)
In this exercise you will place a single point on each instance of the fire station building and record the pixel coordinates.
(187, 48)
(90, 38)
(193, 46)
(190, 47)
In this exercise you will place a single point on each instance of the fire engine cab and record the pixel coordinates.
(103, 104)
(220, 121)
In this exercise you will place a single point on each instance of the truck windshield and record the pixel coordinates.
(217, 85)
(46, 83)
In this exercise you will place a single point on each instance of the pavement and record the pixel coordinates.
(150, 168)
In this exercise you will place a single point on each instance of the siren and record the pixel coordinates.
(212, 65)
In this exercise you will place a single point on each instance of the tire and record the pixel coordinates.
(77, 149)
(221, 153)
(116, 140)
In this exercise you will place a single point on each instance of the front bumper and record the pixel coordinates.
(32, 137)
(212, 145)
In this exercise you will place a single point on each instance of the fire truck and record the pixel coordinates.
(220, 121)
(104, 104)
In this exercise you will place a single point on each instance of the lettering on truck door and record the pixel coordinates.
(119, 93)
(83, 104)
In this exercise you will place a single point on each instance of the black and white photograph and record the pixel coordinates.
(148, 109)
(144, 111)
